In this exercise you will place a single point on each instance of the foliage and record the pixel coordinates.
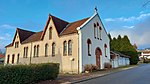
(90, 67)
(26, 74)
(124, 46)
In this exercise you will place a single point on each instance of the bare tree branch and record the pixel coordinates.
(146, 3)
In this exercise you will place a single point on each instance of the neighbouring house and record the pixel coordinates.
(144, 54)
(118, 59)
(72, 44)
(2, 56)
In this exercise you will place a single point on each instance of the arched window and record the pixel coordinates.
(65, 48)
(100, 33)
(89, 43)
(105, 47)
(69, 47)
(34, 51)
(26, 52)
(50, 33)
(18, 59)
(8, 59)
(46, 50)
(94, 30)
(98, 30)
(37, 53)
(13, 58)
(53, 49)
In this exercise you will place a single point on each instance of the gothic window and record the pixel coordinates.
(8, 59)
(37, 53)
(105, 47)
(98, 30)
(69, 47)
(17, 58)
(89, 43)
(94, 30)
(46, 50)
(53, 49)
(16, 44)
(65, 48)
(13, 58)
(100, 33)
(50, 33)
(34, 51)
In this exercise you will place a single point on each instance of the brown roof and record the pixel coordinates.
(34, 37)
(60, 24)
(72, 27)
(9, 45)
(24, 34)
(62, 27)
(143, 50)
(122, 55)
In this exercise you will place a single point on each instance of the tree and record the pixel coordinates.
(109, 37)
(146, 3)
(129, 50)
(124, 46)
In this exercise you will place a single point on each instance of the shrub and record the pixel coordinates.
(107, 65)
(25, 74)
(146, 61)
(90, 67)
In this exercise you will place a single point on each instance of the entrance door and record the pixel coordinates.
(98, 53)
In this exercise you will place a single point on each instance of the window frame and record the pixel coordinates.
(105, 49)
(70, 47)
(89, 44)
(13, 58)
(37, 51)
(34, 54)
(8, 58)
(65, 48)
(50, 33)
(53, 49)
(94, 30)
(46, 50)
(18, 58)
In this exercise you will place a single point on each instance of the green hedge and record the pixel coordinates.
(27, 74)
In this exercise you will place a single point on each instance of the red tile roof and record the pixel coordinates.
(34, 37)
(72, 27)
(59, 24)
(24, 34)
(62, 27)
(2, 56)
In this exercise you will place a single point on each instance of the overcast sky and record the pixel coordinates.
(125, 17)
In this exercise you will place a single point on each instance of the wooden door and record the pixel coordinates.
(98, 53)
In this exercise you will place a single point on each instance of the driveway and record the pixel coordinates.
(138, 75)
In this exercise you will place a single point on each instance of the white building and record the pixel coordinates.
(144, 54)
(118, 59)
(72, 44)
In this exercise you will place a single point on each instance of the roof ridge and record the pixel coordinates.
(24, 30)
(58, 18)
(80, 20)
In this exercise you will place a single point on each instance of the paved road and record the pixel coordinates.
(138, 75)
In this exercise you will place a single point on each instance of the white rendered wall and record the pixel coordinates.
(88, 33)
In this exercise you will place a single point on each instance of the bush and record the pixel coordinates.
(25, 74)
(146, 61)
(90, 67)
(107, 65)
